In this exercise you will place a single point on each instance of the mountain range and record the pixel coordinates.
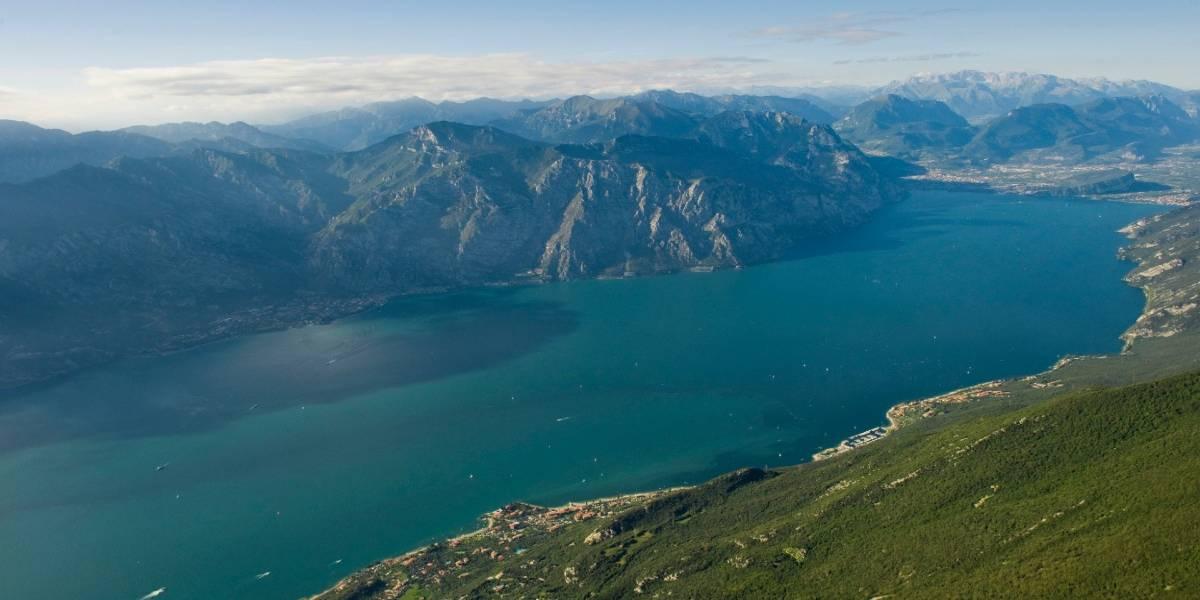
(237, 135)
(978, 95)
(806, 108)
(583, 119)
(163, 252)
(575, 119)
(28, 151)
(1123, 128)
(974, 95)
(358, 127)
(880, 122)
(1103, 130)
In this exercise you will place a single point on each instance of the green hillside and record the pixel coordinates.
(1088, 495)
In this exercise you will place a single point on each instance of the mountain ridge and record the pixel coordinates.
(1136, 128)
(214, 131)
(979, 94)
(163, 252)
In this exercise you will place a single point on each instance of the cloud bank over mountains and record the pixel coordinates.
(272, 89)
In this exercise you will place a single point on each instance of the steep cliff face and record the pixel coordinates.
(449, 204)
(814, 151)
(162, 253)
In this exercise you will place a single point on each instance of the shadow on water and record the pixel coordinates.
(411, 340)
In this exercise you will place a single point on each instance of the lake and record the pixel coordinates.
(311, 452)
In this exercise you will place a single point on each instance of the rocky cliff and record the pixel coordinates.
(161, 253)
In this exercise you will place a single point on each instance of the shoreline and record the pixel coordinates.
(897, 416)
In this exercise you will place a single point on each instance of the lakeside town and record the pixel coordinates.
(506, 533)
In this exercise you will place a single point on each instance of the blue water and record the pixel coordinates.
(289, 451)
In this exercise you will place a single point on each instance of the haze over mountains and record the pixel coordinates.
(1112, 129)
(978, 95)
(1125, 127)
(31, 152)
(356, 128)
(28, 151)
(975, 96)
(230, 134)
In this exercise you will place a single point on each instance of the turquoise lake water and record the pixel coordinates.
(288, 452)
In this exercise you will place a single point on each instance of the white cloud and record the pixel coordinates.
(430, 76)
(272, 89)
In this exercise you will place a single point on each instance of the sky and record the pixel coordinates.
(84, 65)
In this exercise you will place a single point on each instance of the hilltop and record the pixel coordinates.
(904, 128)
